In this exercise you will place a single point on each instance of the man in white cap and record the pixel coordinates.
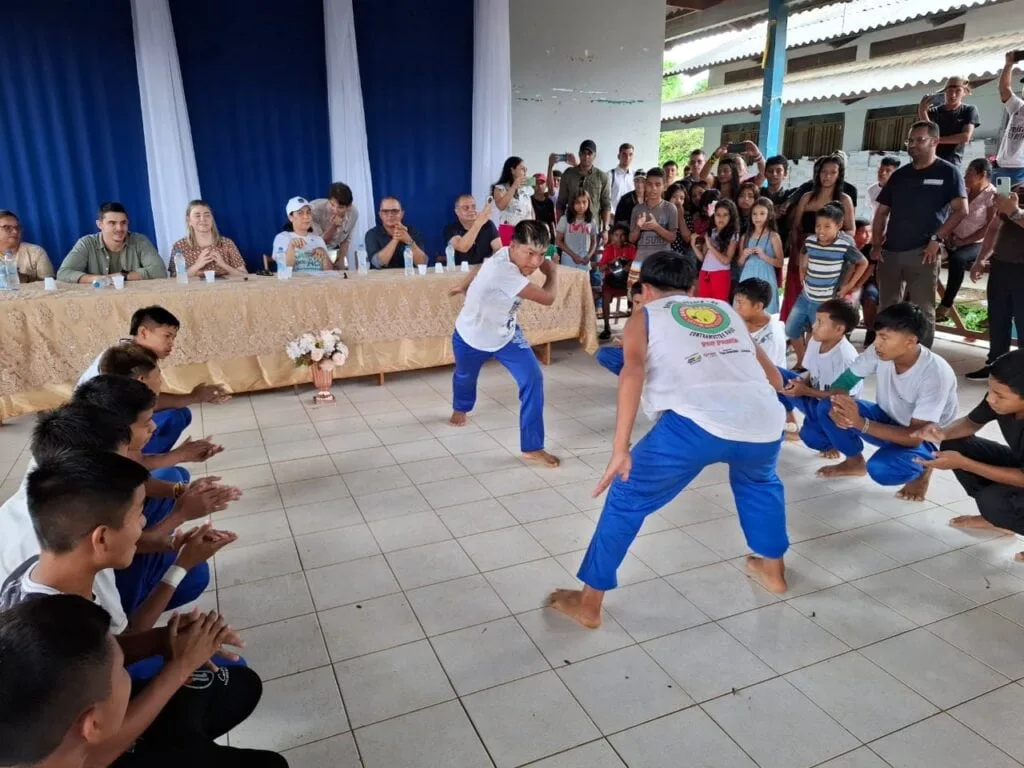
(955, 119)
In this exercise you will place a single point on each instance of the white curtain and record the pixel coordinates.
(350, 156)
(492, 93)
(170, 157)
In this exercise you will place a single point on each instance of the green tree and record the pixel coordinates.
(677, 145)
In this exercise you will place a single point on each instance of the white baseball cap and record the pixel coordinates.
(295, 204)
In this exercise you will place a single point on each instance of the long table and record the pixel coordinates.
(233, 332)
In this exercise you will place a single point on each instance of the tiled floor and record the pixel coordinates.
(391, 571)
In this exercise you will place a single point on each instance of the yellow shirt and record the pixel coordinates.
(33, 263)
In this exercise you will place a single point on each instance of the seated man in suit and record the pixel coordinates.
(386, 241)
(112, 251)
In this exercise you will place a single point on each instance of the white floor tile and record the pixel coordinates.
(996, 716)
(940, 742)
(986, 636)
(852, 616)
(256, 528)
(672, 551)
(596, 754)
(432, 470)
(430, 564)
(782, 637)
(487, 655)
(915, 596)
(447, 493)
(285, 647)
(526, 586)
(901, 542)
(438, 737)
(237, 565)
(560, 535)
(502, 548)
(369, 626)
(456, 604)
(262, 602)
(323, 516)
(721, 590)
(531, 506)
(529, 719)
(335, 752)
(376, 480)
(409, 531)
(859, 758)
(360, 457)
(338, 545)
(778, 727)
(689, 735)
(651, 609)
(320, 490)
(476, 517)
(961, 572)
(392, 682)
(563, 641)
(351, 582)
(845, 555)
(387, 504)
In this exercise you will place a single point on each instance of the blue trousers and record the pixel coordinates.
(665, 461)
(521, 362)
(170, 423)
(891, 464)
(135, 582)
(814, 409)
(611, 358)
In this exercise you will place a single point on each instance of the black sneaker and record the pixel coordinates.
(604, 335)
(979, 375)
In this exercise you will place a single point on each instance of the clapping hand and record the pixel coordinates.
(205, 496)
(844, 412)
(200, 544)
(195, 450)
(297, 242)
(929, 433)
(195, 638)
(796, 387)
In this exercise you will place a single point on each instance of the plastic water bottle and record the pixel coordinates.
(362, 260)
(11, 279)
(407, 257)
(180, 267)
(449, 256)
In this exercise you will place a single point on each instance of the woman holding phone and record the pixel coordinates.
(512, 193)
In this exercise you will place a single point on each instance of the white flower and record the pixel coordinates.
(292, 350)
(316, 354)
(338, 358)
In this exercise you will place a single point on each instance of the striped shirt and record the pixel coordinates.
(827, 264)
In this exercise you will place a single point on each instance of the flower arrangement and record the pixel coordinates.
(324, 349)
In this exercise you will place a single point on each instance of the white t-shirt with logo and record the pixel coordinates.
(18, 543)
(488, 318)
(826, 367)
(1011, 146)
(702, 364)
(771, 337)
(926, 392)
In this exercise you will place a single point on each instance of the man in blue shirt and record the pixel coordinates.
(918, 208)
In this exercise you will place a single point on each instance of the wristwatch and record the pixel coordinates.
(937, 239)
(1016, 215)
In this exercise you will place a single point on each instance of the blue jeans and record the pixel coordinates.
(519, 360)
(170, 423)
(801, 316)
(891, 464)
(665, 461)
(611, 358)
(814, 410)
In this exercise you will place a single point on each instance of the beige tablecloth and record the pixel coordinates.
(233, 332)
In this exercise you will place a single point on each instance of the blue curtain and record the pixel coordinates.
(70, 120)
(416, 68)
(255, 78)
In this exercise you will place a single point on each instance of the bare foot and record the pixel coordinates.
(1019, 557)
(976, 523)
(792, 437)
(768, 573)
(458, 419)
(570, 602)
(853, 466)
(541, 457)
(831, 453)
(915, 489)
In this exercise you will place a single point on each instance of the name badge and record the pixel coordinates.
(933, 182)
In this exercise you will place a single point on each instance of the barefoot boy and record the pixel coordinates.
(488, 327)
(914, 388)
(990, 472)
(712, 392)
(829, 354)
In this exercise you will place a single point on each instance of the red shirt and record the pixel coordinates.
(613, 252)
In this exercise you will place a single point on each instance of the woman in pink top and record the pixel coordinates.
(964, 244)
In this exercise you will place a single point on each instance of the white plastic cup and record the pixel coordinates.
(49, 284)
(439, 268)
(284, 272)
(421, 268)
(118, 281)
(210, 275)
(464, 266)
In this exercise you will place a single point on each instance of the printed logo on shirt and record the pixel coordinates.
(695, 358)
(701, 317)
(933, 182)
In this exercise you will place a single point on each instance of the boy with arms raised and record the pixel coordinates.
(156, 329)
(914, 388)
(712, 392)
(829, 353)
(993, 474)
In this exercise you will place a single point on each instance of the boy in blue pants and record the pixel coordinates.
(829, 353)
(487, 327)
(156, 329)
(610, 356)
(915, 388)
(712, 392)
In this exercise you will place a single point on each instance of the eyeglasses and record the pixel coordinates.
(10, 227)
(917, 140)
(392, 211)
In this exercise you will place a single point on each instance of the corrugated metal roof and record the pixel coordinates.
(983, 57)
(819, 24)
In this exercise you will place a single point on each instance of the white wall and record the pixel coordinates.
(586, 71)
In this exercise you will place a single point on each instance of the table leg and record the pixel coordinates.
(380, 379)
(545, 353)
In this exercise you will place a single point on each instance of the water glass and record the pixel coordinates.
(118, 281)
(421, 268)
(49, 284)
(210, 275)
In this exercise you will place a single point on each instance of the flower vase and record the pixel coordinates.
(323, 379)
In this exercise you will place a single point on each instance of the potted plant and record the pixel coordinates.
(322, 352)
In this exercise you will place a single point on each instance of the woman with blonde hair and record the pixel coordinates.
(205, 248)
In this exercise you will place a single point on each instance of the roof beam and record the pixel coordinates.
(945, 18)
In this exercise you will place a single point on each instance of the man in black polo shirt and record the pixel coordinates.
(955, 119)
(473, 235)
(918, 208)
(993, 474)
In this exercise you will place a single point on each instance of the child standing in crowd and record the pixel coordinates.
(760, 254)
(914, 387)
(886, 166)
(610, 356)
(830, 266)
(707, 409)
(488, 327)
(654, 223)
(676, 195)
(869, 290)
(692, 207)
(705, 212)
(576, 234)
(745, 200)
(829, 354)
(717, 250)
(616, 261)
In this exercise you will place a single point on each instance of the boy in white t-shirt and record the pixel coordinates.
(829, 353)
(488, 327)
(914, 387)
(712, 392)
(751, 298)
